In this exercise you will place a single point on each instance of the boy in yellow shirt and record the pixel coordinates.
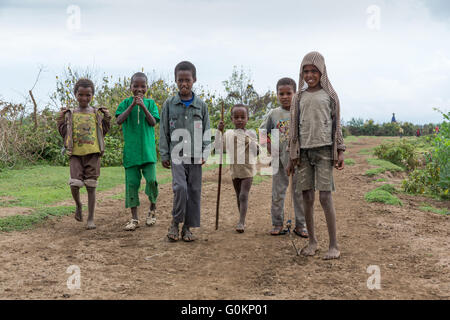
(83, 130)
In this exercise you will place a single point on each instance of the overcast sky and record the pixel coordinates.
(382, 56)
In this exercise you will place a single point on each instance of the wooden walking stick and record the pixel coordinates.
(220, 174)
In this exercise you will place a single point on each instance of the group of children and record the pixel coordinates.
(308, 144)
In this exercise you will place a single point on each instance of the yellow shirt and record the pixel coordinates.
(85, 140)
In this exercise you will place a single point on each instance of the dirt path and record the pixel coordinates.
(410, 247)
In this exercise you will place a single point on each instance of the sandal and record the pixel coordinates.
(301, 232)
(173, 234)
(277, 231)
(132, 225)
(151, 218)
(187, 235)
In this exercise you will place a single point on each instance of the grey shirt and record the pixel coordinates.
(280, 119)
(315, 125)
(186, 128)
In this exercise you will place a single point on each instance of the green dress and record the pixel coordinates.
(138, 135)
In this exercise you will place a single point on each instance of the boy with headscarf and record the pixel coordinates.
(315, 145)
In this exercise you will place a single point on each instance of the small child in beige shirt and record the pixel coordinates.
(242, 148)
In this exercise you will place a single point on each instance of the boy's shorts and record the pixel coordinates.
(84, 170)
(316, 169)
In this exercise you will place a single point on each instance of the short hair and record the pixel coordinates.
(287, 82)
(85, 83)
(139, 75)
(186, 66)
(240, 106)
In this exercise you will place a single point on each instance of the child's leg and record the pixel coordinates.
(308, 202)
(326, 201)
(91, 173)
(79, 207)
(280, 183)
(246, 184)
(180, 192)
(151, 190)
(132, 183)
(237, 190)
(194, 190)
(325, 184)
(76, 182)
(299, 210)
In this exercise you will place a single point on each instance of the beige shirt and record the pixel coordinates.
(241, 148)
(315, 125)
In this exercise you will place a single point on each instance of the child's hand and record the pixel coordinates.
(291, 167)
(104, 110)
(340, 162)
(139, 101)
(166, 164)
(221, 126)
(269, 147)
(203, 161)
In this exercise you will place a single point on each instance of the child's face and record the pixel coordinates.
(284, 94)
(185, 81)
(239, 117)
(139, 86)
(84, 96)
(311, 75)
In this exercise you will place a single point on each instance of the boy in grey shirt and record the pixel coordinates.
(184, 145)
(279, 119)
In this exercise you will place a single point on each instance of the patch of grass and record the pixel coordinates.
(382, 196)
(381, 180)
(22, 222)
(259, 179)
(374, 172)
(387, 187)
(350, 139)
(349, 162)
(367, 151)
(43, 185)
(428, 208)
(389, 166)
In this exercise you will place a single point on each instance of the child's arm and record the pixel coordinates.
(61, 123)
(206, 145)
(164, 136)
(124, 115)
(264, 133)
(106, 121)
(148, 116)
(219, 141)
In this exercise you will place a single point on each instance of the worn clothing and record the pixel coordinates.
(84, 170)
(133, 176)
(187, 190)
(65, 128)
(184, 131)
(242, 150)
(280, 184)
(278, 119)
(316, 169)
(85, 139)
(315, 120)
(139, 137)
(316, 59)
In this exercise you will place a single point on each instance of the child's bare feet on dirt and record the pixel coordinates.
(333, 253)
(240, 227)
(90, 225)
(309, 250)
(79, 214)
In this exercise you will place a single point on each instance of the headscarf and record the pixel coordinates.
(316, 59)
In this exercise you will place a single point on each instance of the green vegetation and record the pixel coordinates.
(350, 139)
(383, 194)
(22, 222)
(381, 180)
(349, 162)
(389, 166)
(428, 208)
(374, 172)
(367, 151)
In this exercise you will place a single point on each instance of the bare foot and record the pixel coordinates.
(90, 225)
(79, 214)
(333, 253)
(309, 250)
(240, 228)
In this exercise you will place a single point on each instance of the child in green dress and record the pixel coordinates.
(138, 117)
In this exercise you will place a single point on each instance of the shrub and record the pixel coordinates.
(401, 153)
